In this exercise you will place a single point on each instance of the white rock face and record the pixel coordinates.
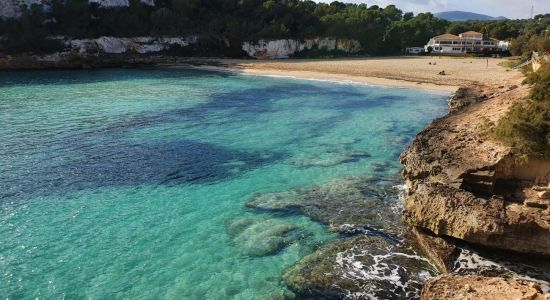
(119, 3)
(111, 3)
(115, 45)
(270, 49)
(12, 8)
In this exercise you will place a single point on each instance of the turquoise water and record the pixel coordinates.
(122, 183)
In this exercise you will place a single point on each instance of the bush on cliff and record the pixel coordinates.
(527, 125)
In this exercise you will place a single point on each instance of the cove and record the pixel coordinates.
(130, 183)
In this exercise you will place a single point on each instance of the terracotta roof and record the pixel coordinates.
(447, 36)
(471, 32)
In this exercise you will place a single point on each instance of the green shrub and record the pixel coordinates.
(527, 125)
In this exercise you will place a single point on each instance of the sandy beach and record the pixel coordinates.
(403, 71)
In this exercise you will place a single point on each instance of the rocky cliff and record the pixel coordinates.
(270, 49)
(116, 45)
(120, 51)
(466, 190)
(465, 186)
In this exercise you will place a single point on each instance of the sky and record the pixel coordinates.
(513, 9)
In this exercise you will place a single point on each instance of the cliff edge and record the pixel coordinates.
(464, 188)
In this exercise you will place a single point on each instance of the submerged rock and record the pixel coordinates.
(258, 236)
(347, 205)
(328, 159)
(362, 267)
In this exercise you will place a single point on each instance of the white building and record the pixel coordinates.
(415, 50)
(467, 42)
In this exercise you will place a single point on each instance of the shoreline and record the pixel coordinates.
(325, 76)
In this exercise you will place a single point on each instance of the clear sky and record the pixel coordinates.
(513, 9)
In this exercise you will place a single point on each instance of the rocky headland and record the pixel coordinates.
(469, 195)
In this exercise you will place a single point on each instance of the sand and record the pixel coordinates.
(403, 71)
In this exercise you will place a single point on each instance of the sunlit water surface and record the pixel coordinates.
(121, 183)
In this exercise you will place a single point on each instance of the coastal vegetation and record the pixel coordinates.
(381, 31)
(527, 125)
(526, 43)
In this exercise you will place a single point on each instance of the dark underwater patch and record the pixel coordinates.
(122, 164)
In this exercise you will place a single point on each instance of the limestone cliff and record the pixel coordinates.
(465, 186)
(116, 45)
(270, 49)
(466, 190)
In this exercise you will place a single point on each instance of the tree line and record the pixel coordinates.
(380, 31)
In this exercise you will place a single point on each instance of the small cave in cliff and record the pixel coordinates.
(526, 182)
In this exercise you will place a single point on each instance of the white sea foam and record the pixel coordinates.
(469, 262)
(382, 270)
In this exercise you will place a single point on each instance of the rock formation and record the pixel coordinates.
(451, 287)
(269, 49)
(119, 3)
(346, 205)
(464, 186)
(362, 267)
(465, 189)
(116, 45)
(257, 236)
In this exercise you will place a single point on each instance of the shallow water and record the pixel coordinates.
(130, 183)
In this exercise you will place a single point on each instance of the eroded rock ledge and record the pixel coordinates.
(479, 287)
(465, 186)
(467, 189)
